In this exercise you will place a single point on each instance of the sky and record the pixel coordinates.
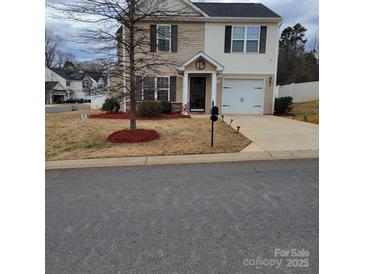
(305, 12)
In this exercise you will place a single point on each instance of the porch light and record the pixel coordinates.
(270, 81)
(238, 129)
(222, 116)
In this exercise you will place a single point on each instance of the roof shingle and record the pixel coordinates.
(236, 10)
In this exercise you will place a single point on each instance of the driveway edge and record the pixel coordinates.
(182, 159)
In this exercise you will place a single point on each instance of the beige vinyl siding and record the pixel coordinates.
(252, 63)
(268, 96)
(190, 41)
(208, 66)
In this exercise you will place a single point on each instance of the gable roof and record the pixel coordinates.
(68, 74)
(236, 10)
(54, 86)
(201, 54)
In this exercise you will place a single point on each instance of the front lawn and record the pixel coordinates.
(306, 111)
(67, 137)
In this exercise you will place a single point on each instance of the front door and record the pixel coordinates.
(197, 93)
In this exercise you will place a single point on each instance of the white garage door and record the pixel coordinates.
(243, 96)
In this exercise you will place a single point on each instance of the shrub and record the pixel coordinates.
(166, 107)
(149, 109)
(283, 105)
(111, 105)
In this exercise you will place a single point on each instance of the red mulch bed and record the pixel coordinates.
(138, 136)
(123, 115)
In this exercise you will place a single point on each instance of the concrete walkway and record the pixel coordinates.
(277, 135)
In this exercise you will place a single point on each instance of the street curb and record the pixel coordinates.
(182, 159)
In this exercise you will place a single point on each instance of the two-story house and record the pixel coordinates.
(226, 53)
(76, 85)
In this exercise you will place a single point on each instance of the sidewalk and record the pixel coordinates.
(181, 159)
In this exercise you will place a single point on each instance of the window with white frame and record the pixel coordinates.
(253, 36)
(245, 39)
(163, 88)
(163, 37)
(238, 39)
(68, 83)
(156, 88)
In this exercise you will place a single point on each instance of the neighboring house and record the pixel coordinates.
(55, 92)
(77, 84)
(227, 55)
(99, 88)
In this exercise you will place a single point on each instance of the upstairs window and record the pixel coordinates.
(163, 37)
(68, 83)
(85, 84)
(253, 36)
(245, 39)
(238, 39)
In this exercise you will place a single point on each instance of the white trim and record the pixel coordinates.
(205, 56)
(221, 19)
(163, 25)
(185, 94)
(276, 67)
(246, 39)
(214, 89)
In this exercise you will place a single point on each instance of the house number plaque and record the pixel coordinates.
(200, 64)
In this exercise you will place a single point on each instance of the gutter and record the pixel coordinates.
(220, 19)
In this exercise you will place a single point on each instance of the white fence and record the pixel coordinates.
(300, 92)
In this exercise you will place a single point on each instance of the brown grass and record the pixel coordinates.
(306, 111)
(67, 137)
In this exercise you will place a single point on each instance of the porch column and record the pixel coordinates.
(185, 106)
(214, 89)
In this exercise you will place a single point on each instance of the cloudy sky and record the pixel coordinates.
(305, 12)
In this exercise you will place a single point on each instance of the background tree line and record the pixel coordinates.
(296, 65)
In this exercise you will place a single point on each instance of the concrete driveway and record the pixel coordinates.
(277, 135)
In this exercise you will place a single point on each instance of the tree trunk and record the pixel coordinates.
(132, 71)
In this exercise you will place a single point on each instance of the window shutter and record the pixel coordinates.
(153, 38)
(172, 88)
(227, 39)
(263, 32)
(139, 88)
(174, 38)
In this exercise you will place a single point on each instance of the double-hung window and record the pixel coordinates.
(163, 88)
(238, 39)
(253, 36)
(148, 88)
(163, 37)
(245, 39)
(156, 88)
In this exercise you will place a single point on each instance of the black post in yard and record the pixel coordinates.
(212, 136)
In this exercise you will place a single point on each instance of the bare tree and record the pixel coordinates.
(117, 29)
(51, 47)
(62, 57)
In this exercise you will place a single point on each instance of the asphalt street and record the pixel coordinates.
(66, 107)
(243, 217)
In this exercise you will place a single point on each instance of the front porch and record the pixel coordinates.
(201, 87)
